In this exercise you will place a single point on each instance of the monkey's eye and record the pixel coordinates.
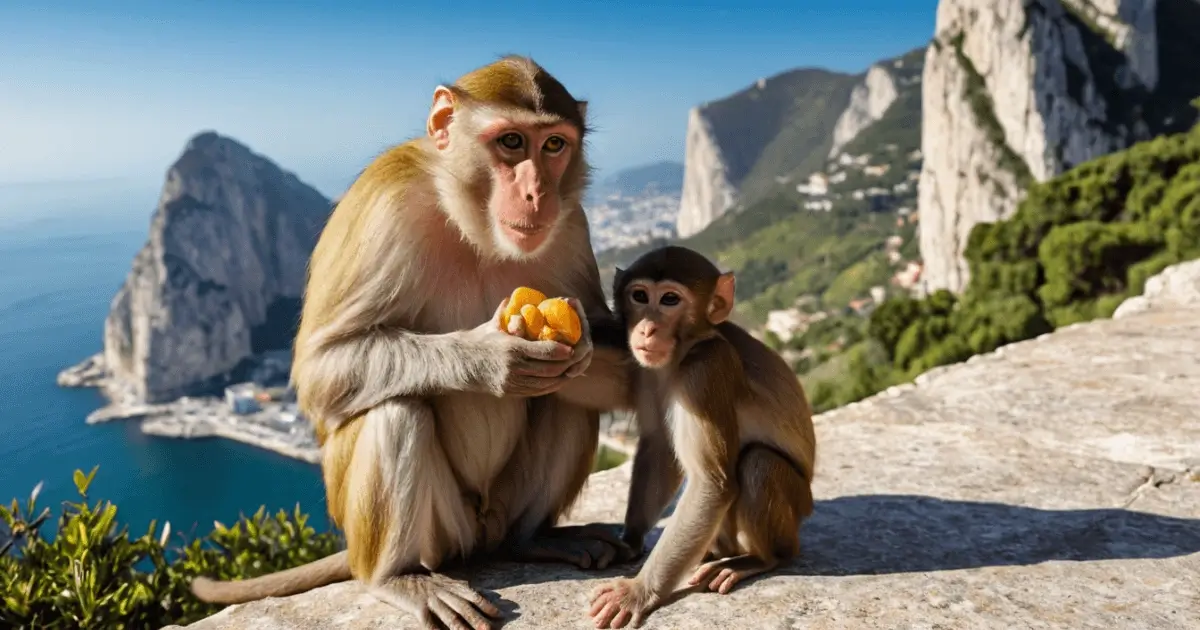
(511, 141)
(640, 296)
(554, 144)
(669, 299)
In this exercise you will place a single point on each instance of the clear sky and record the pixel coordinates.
(115, 88)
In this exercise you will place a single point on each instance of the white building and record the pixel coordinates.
(241, 398)
(784, 323)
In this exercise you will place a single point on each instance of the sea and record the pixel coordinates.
(64, 251)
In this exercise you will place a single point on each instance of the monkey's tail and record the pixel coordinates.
(327, 570)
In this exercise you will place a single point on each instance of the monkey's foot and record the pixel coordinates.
(585, 546)
(723, 574)
(435, 597)
(621, 601)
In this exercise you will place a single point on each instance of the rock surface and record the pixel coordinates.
(868, 102)
(1017, 92)
(1054, 483)
(220, 277)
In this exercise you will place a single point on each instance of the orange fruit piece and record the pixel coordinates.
(534, 321)
(561, 321)
(521, 296)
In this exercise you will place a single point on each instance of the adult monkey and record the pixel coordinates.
(440, 434)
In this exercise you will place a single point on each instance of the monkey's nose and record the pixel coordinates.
(528, 196)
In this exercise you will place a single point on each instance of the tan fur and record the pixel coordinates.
(735, 418)
(406, 376)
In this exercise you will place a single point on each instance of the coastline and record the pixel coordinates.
(270, 428)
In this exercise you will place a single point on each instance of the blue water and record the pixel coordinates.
(64, 252)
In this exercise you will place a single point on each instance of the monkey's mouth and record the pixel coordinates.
(528, 229)
(651, 357)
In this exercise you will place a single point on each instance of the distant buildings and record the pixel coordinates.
(242, 398)
(248, 398)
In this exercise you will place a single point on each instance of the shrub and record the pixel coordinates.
(93, 575)
(1077, 246)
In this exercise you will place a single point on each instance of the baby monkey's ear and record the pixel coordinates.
(721, 304)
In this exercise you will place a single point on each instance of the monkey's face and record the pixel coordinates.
(528, 161)
(655, 314)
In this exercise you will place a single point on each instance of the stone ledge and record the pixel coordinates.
(1052, 484)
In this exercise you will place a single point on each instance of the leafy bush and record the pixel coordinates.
(93, 575)
(1078, 245)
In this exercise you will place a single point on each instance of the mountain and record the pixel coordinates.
(738, 148)
(663, 178)
(1017, 93)
(220, 277)
(824, 235)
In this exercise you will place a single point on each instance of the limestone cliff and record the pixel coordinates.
(868, 102)
(743, 145)
(220, 277)
(1017, 92)
(1054, 483)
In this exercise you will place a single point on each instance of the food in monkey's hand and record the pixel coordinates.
(546, 319)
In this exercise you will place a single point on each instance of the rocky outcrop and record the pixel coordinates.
(1017, 92)
(744, 145)
(868, 102)
(1177, 286)
(220, 277)
(1054, 483)
(707, 191)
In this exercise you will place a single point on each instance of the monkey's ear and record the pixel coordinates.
(582, 109)
(620, 271)
(438, 125)
(721, 305)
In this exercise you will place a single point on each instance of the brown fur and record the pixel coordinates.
(430, 450)
(735, 418)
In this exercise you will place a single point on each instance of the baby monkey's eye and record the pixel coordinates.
(640, 296)
(511, 141)
(669, 299)
(554, 144)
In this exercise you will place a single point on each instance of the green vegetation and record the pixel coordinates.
(608, 458)
(94, 575)
(1078, 245)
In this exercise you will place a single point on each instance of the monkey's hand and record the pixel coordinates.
(582, 356)
(523, 367)
(621, 601)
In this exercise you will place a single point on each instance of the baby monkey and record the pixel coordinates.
(725, 408)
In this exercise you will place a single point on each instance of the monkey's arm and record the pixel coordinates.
(707, 445)
(656, 478)
(608, 382)
(340, 377)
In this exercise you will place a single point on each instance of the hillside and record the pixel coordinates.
(823, 237)
(737, 146)
(1052, 485)
(664, 178)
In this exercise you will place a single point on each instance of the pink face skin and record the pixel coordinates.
(659, 309)
(529, 162)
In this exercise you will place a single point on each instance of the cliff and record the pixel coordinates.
(1016, 92)
(1054, 483)
(742, 145)
(220, 277)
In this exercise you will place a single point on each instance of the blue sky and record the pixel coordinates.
(113, 89)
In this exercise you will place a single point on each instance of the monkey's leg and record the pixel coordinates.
(774, 498)
(541, 481)
(404, 513)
